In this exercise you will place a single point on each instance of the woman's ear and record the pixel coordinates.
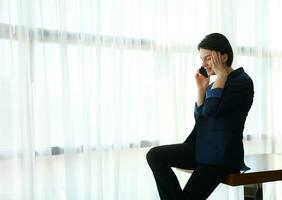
(224, 58)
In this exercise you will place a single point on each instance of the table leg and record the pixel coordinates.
(253, 192)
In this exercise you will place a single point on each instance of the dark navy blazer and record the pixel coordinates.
(218, 131)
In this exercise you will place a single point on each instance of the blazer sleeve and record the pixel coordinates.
(237, 95)
(197, 111)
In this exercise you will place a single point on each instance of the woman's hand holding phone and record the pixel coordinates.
(204, 72)
(202, 79)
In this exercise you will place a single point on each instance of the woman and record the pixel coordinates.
(214, 148)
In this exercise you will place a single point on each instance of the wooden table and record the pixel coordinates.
(264, 168)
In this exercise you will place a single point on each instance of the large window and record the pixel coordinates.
(107, 74)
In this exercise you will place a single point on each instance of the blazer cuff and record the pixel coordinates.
(198, 108)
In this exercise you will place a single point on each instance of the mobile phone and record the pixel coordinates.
(203, 71)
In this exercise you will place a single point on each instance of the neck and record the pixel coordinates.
(229, 70)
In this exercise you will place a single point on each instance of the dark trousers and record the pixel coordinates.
(201, 183)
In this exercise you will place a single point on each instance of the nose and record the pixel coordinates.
(204, 63)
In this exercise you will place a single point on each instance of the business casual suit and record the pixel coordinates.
(214, 148)
(220, 122)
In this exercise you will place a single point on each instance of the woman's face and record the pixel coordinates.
(205, 55)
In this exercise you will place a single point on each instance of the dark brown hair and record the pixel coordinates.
(217, 42)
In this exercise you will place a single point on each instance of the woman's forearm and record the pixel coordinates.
(200, 97)
(219, 82)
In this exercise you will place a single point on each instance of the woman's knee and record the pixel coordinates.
(152, 154)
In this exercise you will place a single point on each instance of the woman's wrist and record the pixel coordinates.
(201, 91)
(219, 82)
(222, 74)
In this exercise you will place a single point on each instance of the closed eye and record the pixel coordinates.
(206, 58)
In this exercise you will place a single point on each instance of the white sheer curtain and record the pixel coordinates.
(87, 86)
